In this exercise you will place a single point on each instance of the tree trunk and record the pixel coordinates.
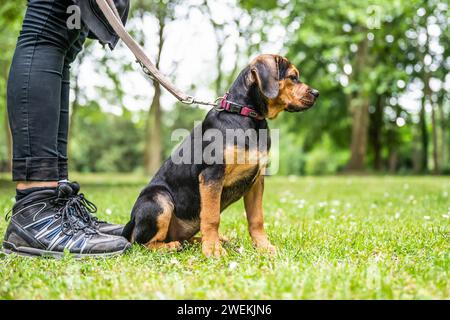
(424, 136)
(416, 153)
(392, 146)
(360, 114)
(153, 143)
(393, 161)
(434, 125)
(153, 148)
(376, 121)
(436, 165)
(444, 145)
(423, 122)
(219, 69)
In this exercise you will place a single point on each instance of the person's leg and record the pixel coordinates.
(35, 90)
(44, 220)
(63, 130)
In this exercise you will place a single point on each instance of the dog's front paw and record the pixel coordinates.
(195, 240)
(213, 249)
(268, 248)
(264, 246)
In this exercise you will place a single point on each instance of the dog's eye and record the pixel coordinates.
(294, 79)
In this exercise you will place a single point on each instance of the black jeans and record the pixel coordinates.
(38, 91)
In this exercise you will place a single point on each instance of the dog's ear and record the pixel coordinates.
(265, 71)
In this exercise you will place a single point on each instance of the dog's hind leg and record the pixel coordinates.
(152, 221)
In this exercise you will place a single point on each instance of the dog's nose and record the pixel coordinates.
(315, 93)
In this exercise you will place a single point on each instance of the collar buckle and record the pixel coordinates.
(235, 108)
(253, 114)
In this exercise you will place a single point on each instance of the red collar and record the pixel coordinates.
(233, 107)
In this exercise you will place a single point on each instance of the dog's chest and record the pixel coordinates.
(240, 164)
(241, 171)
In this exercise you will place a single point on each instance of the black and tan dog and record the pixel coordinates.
(183, 199)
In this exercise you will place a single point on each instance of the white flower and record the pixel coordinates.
(427, 217)
(108, 212)
(322, 204)
(397, 215)
(335, 203)
(445, 194)
(445, 216)
(332, 217)
(278, 213)
(174, 261)
(160, 295)
(233, 265)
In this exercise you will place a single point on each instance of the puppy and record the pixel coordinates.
(186, 197)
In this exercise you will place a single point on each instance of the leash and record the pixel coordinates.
(112, 15)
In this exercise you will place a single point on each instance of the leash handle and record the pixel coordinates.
(111, 14)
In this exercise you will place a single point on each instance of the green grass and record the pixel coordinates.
(338, 238)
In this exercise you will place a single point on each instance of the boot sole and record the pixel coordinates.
(38, 253)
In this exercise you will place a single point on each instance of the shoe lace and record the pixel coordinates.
(86, 209)
(8, 215)
(71, 222)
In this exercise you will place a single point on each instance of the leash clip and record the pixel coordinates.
(146, 71)
(189, 100)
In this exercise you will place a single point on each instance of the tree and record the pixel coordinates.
(364, 56)
(164, 13)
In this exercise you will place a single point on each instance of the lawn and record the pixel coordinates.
(338, 238)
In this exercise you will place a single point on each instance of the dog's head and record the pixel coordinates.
(275, 82)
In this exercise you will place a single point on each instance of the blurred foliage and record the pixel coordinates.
(363, 56)
(105, 142)
(325, 40)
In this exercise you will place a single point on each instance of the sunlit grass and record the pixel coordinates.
(338, 238)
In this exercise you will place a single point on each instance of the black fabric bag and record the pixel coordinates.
(98, 25)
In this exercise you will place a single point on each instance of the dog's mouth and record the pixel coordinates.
(305, 105)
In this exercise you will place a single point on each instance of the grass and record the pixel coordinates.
(339, 238)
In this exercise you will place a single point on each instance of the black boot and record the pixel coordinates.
(46, 223)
